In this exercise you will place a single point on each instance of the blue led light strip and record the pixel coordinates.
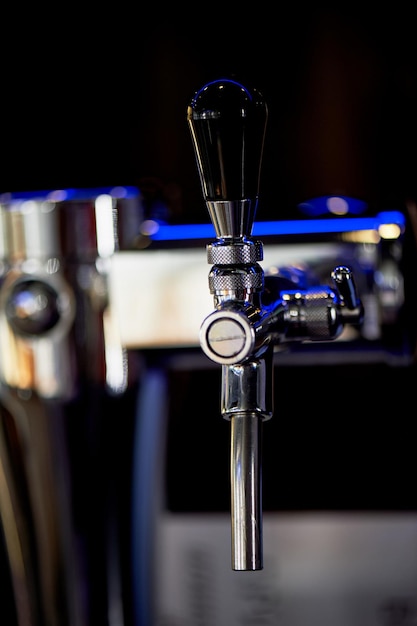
(290, 227)
(164, 232)
(77, 194)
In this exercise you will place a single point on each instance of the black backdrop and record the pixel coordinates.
(100, 99)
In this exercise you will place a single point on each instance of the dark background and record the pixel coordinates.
(98, 98)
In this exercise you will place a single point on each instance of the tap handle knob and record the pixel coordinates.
(345, 284)
(351, 309)
(227, 122)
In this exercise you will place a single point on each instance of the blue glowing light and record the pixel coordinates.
(62, 195)
(289, 227)
(178, 232)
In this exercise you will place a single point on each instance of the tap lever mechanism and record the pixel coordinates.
(227, 122)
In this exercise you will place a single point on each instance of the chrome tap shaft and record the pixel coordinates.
(246, 495)
(247, 402)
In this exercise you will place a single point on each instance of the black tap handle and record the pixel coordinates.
(227, 123)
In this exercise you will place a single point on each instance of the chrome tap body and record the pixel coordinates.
(227, 123)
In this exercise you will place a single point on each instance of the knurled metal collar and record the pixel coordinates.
(237, 253)
(224, 280)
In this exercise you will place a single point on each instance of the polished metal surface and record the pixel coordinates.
(237, 279)
(56, 248)
(35, 506)
(246, 507)
(227, 337)
(236, 253)
(64, 374)
(37, 302)
(248, 387)
(246, 402)
(232, 219)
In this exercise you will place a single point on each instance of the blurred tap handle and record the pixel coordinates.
(351, 306)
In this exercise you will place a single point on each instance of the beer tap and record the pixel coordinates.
(228, 122)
